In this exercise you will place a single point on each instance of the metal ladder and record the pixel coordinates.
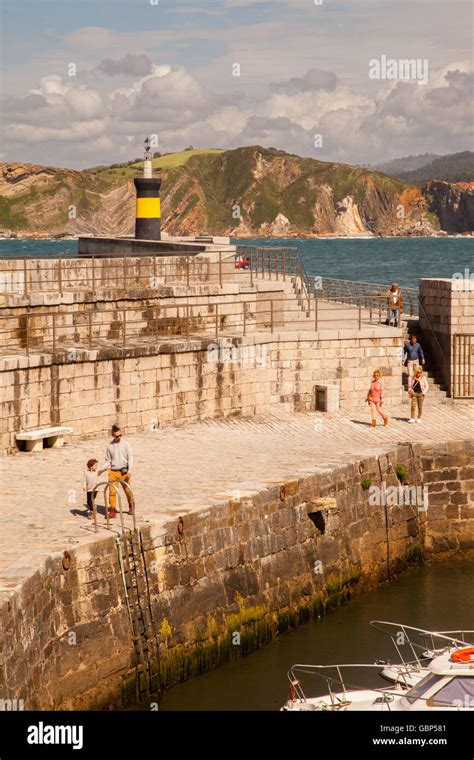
(138, 600)
(135, 580)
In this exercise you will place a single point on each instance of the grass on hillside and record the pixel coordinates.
(170, 161)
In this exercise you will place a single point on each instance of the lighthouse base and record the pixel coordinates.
(107, 247)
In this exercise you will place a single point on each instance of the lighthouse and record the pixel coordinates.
(148, 204)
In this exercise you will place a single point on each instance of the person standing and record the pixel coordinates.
(395, 304)
(119, 458)
(90, 482)
(375, 398)
(413, 355)
(417, 390)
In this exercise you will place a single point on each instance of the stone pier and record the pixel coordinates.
(254, 508)
(248, 527)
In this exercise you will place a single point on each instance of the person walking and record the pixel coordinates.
(417, 390)
(119, 458)
(375, 398)
(395, 304)
(413, 355)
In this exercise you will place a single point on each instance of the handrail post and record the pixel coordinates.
(187, 271)
(27, 334)
(106, 504)
(316, 313)
(93, 275)
(25, 275)
(187, 321)
(60, 276)
(220, 268)
(94, 512)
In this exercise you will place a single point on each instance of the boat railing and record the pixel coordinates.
(422, 643)
(340, 691)
(338, 685)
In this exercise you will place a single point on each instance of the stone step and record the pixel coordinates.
(431, 380)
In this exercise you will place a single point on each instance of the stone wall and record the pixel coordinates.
(21, 277)
(227, 579)
(78, 320)
(176, 381)
(448, 471)
(448, 310)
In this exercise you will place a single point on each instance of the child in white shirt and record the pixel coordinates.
(91, 481)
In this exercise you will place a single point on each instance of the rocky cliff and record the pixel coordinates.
(453, 205)
(265, 192)
(244, 192)
(41, 201)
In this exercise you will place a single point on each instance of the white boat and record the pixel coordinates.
(416, 647)
(448, 684)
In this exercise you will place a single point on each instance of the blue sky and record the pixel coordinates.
(168, 70)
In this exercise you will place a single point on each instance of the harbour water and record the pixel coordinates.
(436, 597)
(364, 259)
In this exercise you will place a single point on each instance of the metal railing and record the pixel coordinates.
(463, 365)
(108, 486)
(23, 277)
(71, 330)
(277, 264)
(374, 296)
(370, 294)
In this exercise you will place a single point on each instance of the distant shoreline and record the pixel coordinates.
(325, 236)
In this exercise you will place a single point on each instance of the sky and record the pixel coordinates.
(85, 81)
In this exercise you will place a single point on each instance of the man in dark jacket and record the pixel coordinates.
(413, 355)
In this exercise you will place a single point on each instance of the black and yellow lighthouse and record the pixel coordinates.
(148, 204)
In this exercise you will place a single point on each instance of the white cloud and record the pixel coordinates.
(81, 131)
(109, 125)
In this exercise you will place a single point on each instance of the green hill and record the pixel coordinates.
(250, 191)
(454, 167)
(168, 161)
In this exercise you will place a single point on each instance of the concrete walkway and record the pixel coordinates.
(179, 470)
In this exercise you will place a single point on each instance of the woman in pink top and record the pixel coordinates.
(375, 398)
